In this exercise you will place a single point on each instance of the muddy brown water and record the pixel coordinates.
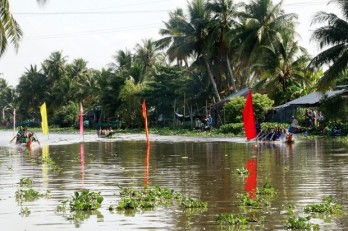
(199, 168)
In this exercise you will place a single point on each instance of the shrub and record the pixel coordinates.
(234, 107)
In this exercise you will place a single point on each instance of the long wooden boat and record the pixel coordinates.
(105, 134)
(288, 139)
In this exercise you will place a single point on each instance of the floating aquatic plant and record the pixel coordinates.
(148, 198)
(192, 203)
(266, 189)
(49, 161)
(85, 200)
(26, 182)
(245, 200)
(233, 219)
(25, 212)
(328, 206)
(241, 171)
(296, 222)
(28, 195)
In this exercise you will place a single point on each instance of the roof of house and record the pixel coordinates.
(312, 98)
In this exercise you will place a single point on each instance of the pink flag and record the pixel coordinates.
(248, 118)
(81, 119)
(14, 121)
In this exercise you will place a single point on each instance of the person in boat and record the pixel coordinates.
(277, 134)
(258, 127)
(294, 127)
(289, 138)
(270, 134)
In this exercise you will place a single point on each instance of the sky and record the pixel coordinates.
(96, 29)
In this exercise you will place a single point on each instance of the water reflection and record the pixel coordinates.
(251, 180)
(82, 160)
(147, 164)
(301, 174)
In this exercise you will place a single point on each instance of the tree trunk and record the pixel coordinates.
(229, 68)
(212, 80)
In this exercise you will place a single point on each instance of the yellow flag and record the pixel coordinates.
(44, 122)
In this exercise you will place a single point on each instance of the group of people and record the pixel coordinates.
(275, 135)
(206, 125)
(23, 136)
(313, 118)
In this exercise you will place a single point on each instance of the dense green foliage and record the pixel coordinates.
(234, 107)
(212, 49)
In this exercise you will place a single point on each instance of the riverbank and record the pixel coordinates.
(216, 133)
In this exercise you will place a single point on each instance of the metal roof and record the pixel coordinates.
(312, 98)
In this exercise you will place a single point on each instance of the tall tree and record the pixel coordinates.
(222, 32)
(9, 28)
(335, 35)
(147, 55)
(189, 37)
(281, 65)
(32, 91)
(262, 25)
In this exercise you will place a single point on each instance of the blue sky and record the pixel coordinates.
(96, 29)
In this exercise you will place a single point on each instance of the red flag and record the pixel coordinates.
(248, 118)
(81, 119)
(143, 106)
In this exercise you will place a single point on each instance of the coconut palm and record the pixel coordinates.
(188, 37)
(335, 35)
(281, 65)
(222, 31)
(123, 60)
(147, 55)
(10, 31)
(262, 25)
(172, 38)
(32, 90)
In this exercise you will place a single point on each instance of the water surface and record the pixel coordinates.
(198, 167)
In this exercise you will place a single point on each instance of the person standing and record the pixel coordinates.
(210, 122)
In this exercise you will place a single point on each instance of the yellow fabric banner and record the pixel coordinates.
(44, 122)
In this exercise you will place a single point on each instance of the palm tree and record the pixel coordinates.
(335, 35)
(188, 37)
(9, 28)
(123, 60)
(262, 25)
(222, 31)
(147, 55)
(172, 38)
(32, 91)
(281, 65)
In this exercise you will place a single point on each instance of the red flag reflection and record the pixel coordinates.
(147, 165)
(82, 160)
(251, 180)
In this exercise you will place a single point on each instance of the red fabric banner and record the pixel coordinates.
(145, 121)
(249, 118)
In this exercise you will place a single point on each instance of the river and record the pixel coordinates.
(202, 168)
